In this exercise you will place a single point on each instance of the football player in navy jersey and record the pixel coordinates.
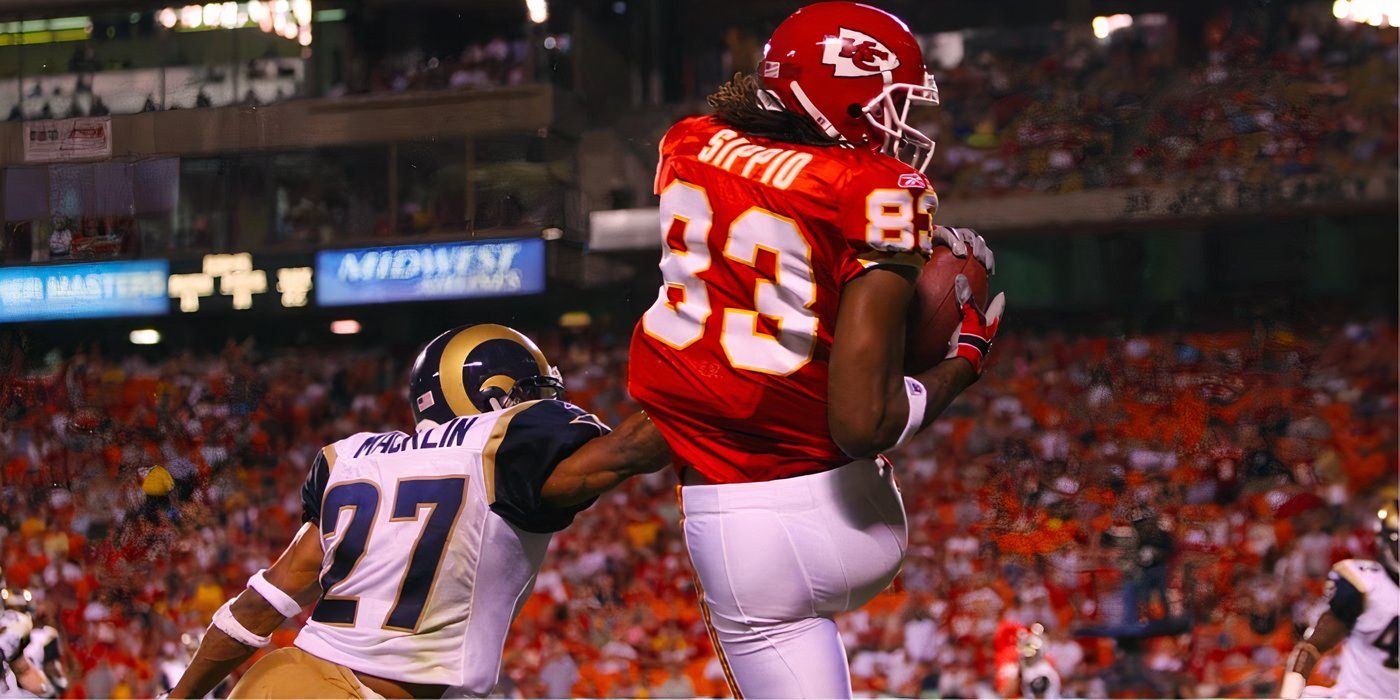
(419, 548)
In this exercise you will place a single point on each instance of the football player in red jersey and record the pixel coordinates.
(795, 221)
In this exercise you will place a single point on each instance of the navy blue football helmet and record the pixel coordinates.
(479, 369)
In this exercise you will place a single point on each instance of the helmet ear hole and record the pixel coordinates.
(853, 109)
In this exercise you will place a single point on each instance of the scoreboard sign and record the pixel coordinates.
(429, 271)
(87, 290)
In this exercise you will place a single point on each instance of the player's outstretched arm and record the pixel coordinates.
(30, 677)
(244, 623)
(1329, 631)
(635, 447)
(14, 637)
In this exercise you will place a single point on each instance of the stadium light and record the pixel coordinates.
(228, 16)
(1372, 12)
(294, 284)
(345, 326)
(1104, 26)
(168, 18)
(538, 10)
(575, 319)
(144, 336)
(192, 16)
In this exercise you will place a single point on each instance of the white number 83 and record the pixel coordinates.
(683, 304)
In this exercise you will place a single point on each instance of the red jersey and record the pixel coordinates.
(760, 238)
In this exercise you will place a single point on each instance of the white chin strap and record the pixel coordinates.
(816, 114)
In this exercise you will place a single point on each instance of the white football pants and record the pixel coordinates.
(775, 560)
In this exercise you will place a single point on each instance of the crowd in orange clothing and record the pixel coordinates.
(1254, 450)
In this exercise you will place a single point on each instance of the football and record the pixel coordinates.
(933, 313)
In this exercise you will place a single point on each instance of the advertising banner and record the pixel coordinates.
(86, 290)
(54, 140)
(429, 271)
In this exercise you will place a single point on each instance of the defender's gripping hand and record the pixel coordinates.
(973, 338)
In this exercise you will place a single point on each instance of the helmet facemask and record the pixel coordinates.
(538, 388)
(888, 113)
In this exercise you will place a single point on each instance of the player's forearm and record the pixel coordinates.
(294, 574)
(1320, 639)
(635, 447)
(643, 450)
(30, 677)
(867, 407)
(944, 383)
(218, 656)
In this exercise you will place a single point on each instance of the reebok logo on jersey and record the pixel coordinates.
(916, 180)
(856, 54)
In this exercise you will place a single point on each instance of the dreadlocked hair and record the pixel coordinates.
(736, 104)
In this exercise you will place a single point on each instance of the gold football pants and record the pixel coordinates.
(293, 673)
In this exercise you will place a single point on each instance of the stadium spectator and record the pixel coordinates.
(1006, 498)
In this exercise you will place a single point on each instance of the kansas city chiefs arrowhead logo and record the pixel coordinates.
(856, 54)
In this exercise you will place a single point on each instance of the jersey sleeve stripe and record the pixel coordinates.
(493, 445)
(1350, 573)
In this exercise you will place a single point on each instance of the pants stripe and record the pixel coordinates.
(705, 609)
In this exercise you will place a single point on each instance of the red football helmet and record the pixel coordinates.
(855, 70)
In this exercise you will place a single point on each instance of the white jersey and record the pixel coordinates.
(14, 627)
(170, 669)
(433, 539)
(1365, 596)
(1039, 679)
(43, 648)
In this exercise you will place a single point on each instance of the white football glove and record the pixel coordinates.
(963, 240)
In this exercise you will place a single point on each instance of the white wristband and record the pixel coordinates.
(1293, 684)
(275, 596)
(918, 403)
(229, 625)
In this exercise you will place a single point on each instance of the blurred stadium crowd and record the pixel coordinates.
(1086, 481)
(1307, 96)
(495, 63)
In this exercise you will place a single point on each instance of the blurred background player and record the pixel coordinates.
(45, 653)
(1023, 666)
(419, 548)
(795, 221)
(22, 677)
(1363, 615)
(175, 658)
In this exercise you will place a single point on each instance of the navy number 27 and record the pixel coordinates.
(443, 496)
